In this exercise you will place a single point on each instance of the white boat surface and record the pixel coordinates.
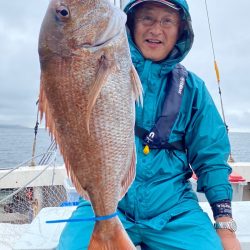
(22, 226)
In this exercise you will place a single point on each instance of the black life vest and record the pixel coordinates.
(158, 136)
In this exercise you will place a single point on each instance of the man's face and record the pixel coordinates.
(156, 30)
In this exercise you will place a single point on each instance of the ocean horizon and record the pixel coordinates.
(16, 144)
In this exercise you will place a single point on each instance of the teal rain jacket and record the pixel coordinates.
(161, 188)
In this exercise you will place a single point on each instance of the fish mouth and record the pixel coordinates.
(100, 43)
(112, 31)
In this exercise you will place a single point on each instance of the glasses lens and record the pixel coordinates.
(146, 20)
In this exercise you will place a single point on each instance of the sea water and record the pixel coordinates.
(16, 144)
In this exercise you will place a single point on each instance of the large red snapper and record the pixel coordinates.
(87, 92)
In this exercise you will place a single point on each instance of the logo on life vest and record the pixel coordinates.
(150, 137)
(181, 85)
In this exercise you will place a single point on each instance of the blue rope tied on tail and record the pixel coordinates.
(96, 218)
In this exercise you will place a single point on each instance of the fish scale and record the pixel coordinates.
(87, 93)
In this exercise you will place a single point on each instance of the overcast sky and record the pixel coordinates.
(20, 23)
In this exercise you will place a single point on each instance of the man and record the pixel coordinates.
(178, 126)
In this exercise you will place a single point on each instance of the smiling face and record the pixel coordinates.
(156, 30)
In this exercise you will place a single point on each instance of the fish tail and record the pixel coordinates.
(113, 238)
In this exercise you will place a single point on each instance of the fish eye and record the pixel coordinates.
(62, 11)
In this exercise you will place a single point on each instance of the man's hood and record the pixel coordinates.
(184, 43)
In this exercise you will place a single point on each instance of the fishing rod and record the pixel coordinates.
(32, 164)
(217, 77)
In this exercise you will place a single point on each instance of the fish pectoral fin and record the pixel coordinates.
(130, 175)
(110, 236)
(105, 68)
(137, 87)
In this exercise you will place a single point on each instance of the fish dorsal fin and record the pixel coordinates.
(130, 175)
(44, 108)
(137, 87)
(103, 72)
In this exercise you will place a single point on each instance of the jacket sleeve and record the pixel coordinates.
(208, 147)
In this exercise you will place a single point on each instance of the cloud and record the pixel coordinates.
(239, 120)
(230, 41)
(19, 77)
(20, 23)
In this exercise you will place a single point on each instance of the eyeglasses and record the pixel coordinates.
(150, 21)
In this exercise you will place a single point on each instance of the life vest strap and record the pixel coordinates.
(158, 136)
(142, 133)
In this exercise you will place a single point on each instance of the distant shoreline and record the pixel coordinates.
(42, 127)
(12, 126)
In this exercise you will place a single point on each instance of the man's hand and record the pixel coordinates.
(228, 238)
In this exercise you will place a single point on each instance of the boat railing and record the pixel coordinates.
(25, 189)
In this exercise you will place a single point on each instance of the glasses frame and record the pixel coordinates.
(149, 21)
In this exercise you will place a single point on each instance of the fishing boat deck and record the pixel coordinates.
(10, 234)
(39, 235)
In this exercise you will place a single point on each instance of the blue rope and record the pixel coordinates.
(97, 218)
